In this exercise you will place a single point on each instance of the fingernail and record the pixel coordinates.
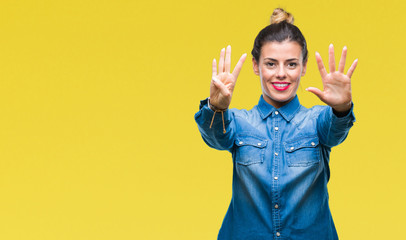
(331, 45)
(214, 79)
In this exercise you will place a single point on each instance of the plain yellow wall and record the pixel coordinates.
(97, 136)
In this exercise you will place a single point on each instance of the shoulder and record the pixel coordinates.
(308, 115)
(249, 125)
(312, 112)
(244, 114)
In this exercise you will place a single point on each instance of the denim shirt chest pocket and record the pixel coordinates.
(302, 152)
(250, 150)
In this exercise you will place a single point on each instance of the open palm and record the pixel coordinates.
(223, 82)
(336, 85)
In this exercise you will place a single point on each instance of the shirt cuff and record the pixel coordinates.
(349, 117)
(205, 115)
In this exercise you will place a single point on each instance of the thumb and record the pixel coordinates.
(316, 92)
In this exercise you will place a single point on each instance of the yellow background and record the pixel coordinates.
(97, 136)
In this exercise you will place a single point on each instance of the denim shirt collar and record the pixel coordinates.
(288, 111)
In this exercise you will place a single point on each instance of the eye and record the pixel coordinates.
(270, 64)
(292, 65)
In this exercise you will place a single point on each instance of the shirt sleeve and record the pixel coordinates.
(215, 136)
(333, 130)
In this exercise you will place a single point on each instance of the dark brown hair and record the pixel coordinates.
(280, 29)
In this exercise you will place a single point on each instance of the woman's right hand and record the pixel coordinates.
(223, 82)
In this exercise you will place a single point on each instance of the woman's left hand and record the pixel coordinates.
(336, 85)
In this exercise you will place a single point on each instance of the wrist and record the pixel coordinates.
(343, 108)
(341, 111)
(215, 108)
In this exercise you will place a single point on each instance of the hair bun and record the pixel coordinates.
(280, 15)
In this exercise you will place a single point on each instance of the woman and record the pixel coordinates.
(280, 149)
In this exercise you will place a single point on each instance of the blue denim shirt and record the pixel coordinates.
(280, 168)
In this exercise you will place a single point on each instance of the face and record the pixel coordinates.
(280, 67)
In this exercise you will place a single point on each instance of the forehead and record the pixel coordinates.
(281, 50)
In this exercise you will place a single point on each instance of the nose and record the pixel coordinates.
(281, 73)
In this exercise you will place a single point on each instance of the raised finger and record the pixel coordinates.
(238, 67)
(221, 61)
(320, 64)
(331, 59)
(228, 59)
(341, 65)
(214, 68)
(221, 86)
(352, 68)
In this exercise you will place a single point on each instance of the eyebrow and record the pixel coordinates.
(288, 60)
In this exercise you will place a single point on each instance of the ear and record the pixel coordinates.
(255, 66)
(304, 68)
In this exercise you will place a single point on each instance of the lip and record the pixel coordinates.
(280, 86)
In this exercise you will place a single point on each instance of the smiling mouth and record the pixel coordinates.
(281, 86)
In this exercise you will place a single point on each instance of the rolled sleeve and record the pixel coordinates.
(333, 130)
(214, 136)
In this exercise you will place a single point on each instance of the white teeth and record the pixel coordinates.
(280, 84)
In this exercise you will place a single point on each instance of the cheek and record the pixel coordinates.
(266, 74)
(296, 75)
(265, 85)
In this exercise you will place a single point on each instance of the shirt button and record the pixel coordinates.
(240, 142)
(276, 178)
(291, 148)
(259, 144)
(276, 154)
(276, 206)
(276, 128)
(313, 144)
(276, 112)
(278, 234)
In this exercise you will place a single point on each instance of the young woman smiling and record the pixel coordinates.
(280, 149)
